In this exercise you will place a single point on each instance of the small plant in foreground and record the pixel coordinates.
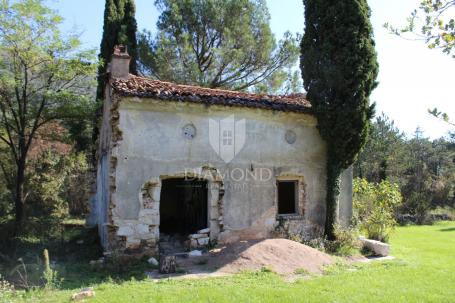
(6, 290)
(346, 241)
(50, 276)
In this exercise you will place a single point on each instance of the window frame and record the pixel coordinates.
(296, 183)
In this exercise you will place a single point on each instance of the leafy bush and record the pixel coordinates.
(374, 206)
(346, 241)
(6, 290)
(50, 276)
(59, 185)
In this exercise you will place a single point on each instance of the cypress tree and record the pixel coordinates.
(339, 69)
(120, 27)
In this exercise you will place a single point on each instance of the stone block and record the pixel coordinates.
(149, 236)
(142, 229)
(214, 197)
(214, 213)
(156, 192)
(214, 229)
(197, 236)
(149, 217)
(195, 253)
(203, 241)
(204, 231)
(132, 242)
(379, 248)
(152, 261)
(125, 231)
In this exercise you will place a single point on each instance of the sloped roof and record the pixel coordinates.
(142, 87)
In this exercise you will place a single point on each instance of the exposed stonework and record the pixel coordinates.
(201, 239)
(142, 235)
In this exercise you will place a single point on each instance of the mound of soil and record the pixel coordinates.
(280, 255)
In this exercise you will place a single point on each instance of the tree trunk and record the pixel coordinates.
(19, 192)
(167, 264)
(333, 192)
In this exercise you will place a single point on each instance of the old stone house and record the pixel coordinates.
(206, 164)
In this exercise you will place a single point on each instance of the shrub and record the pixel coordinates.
(374, 207)
(346, 241)
(59, 185)
(6, 290)
(50, 276)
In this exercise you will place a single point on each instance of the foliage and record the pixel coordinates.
(6, 290)
(384, 153)
(120, 27)
(339, 69)
(44, 77)
(346, 242)
(424, 170)
(205, 43)
(59, 185)
(420, 273)
(433, 23)
(441, 116)
(374, 205)
(50, 276)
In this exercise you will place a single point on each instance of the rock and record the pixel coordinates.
(203, 241)
(167, 264)
(85, 293)
(197, 236)
(125, 231)
(204, 231)
(193, 243)
(153, 261)
(195, 253)
(142, 229)
(80, 242)
(378, 247)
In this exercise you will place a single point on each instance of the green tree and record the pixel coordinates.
(339, 69)
(429, 179)
(384, 154)
(44, 77)
(119, 27)
(432, 22)
(216, 44)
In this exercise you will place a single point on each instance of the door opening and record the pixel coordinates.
(183, 206)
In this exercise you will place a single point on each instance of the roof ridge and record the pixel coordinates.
(301, 95)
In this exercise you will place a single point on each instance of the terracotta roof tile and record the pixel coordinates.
(136, 86)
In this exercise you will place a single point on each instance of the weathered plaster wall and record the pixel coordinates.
(153, 147)
(345, 199)
(101, 209)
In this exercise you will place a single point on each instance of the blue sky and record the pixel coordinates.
(412, 78)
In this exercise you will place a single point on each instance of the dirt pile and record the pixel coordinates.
(280, 255)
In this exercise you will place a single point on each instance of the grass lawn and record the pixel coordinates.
(424, 271)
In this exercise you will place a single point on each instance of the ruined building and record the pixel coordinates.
(208, 165)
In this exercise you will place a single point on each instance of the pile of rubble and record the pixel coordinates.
(199, 240)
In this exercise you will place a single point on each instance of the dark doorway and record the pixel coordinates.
(183, 206)
(287, 194)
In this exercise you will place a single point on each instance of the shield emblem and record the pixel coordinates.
(227, 137)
